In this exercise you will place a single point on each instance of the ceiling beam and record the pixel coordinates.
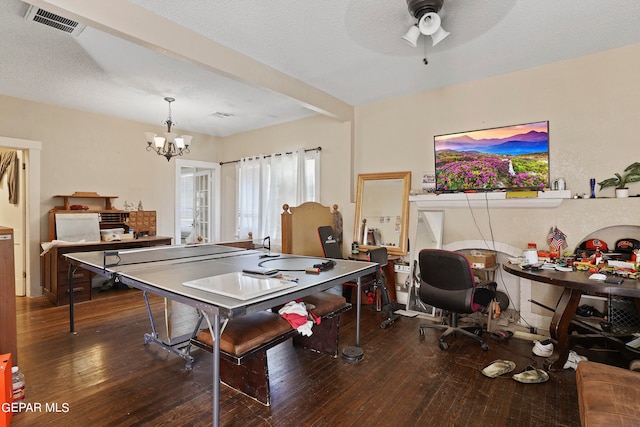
(143, 27)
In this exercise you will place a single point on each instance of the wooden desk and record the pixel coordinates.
(55, 267)
(574, 284)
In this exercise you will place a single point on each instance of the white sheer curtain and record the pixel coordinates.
(268, 182)
(251, 172)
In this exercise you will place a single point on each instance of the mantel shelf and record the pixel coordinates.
(545, 199)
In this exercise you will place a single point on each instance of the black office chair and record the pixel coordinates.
(370, 285)
(447, 282)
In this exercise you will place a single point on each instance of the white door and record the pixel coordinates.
(202, 204)
(197, 201)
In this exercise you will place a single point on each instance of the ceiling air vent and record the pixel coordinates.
(52, 20)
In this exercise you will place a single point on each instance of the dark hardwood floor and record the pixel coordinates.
(104, 375)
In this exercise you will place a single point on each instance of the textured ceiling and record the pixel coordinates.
(348, 50)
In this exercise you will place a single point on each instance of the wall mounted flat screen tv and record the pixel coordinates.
(505, 158)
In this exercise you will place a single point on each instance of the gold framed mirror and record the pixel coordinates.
(382, 211)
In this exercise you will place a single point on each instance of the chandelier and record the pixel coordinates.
(170, 144)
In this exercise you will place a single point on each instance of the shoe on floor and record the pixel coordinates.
(573, 360)
(498, 367)
(543, 348)
(532, 375)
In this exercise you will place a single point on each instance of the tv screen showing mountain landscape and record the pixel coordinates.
(511, 157)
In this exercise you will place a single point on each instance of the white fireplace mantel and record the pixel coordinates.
(498, 199)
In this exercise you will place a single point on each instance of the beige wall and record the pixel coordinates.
(90, 152)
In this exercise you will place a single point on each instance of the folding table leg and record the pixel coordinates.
(214, 329)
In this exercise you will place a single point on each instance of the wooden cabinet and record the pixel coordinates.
(56, 269)
(8, 329)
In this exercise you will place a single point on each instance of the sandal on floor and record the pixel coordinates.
(531, 375)
(500, 335)
(498, 367)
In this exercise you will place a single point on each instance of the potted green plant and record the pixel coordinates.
(630, 174)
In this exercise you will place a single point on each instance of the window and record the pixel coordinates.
(265, 183)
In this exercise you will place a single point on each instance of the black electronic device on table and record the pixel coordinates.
(532, 267)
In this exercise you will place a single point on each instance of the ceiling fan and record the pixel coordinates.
(429, 22)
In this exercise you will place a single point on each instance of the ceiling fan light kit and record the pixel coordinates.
(412, 36)
(429, 22)
(170, 144)
(429, 25)
(439, 35)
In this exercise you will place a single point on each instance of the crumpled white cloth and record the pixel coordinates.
(296, 314)
(46, 246)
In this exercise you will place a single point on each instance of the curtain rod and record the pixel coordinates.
(277, 154)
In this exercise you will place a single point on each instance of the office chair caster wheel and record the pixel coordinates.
(477, 332)
(421, 332)
(484, 346)
(443, 345)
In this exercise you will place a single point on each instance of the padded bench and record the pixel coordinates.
(245, 341)
(607, 395)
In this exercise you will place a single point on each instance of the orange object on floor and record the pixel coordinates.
(6, 390)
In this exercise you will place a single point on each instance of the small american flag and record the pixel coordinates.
(557, 239)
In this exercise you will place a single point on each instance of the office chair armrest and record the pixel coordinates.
(488, 284)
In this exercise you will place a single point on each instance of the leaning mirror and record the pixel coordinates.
(382, 211)
(429, 231)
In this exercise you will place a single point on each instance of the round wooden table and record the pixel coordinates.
(562, 322)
